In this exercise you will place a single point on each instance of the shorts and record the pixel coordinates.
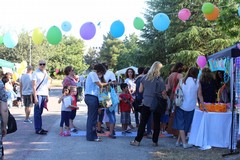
(27, 100)
(73, 114)
(164, 118)
(19, 99)
(111, 116)
(183, 119)
(125, 118)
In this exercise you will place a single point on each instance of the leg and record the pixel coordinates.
(156, 130)
(62, 121)
(141, 129)
(92, 103)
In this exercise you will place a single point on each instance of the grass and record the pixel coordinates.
(56, 83)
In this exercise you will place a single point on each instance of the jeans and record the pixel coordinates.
(92, 104)
(38, 110)
(146, 113)
(65, 117)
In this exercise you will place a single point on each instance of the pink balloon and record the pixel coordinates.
(57, 71)
(201, 61)
(184, 14)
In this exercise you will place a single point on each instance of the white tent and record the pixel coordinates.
(123, 71)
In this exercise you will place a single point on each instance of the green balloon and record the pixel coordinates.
(207, 8)
(1, 39)
(54, 35)
(138, 23)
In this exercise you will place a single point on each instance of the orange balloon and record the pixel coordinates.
(213, 16)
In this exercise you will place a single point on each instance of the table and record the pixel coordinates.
(211, 129)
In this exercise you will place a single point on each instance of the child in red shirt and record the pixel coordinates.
(73, 92)
(125, 107)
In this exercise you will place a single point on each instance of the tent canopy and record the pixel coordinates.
(7, 64)
(123, 71)
(232, 51)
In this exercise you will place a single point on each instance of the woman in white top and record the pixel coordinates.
(184, 113)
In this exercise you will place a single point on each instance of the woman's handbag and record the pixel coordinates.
(12, 124)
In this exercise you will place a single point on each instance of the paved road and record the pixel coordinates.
(26, 145)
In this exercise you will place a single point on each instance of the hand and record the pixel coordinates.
(46, 99)
(4, 132)
(35, 100)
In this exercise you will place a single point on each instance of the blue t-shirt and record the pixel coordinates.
(3, 93)
(90, 86)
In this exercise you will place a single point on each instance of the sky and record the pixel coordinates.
(30, 14)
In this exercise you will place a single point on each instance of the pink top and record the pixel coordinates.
(69, 81)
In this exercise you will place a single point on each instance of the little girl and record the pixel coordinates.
(67, 106)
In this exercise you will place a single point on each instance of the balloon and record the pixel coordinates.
(201, 61)
(66, 26)
(54, 35)
(184, 14)
(15, 76)
(239, 11)
(87, 31)
(56, 71)
(23, 64)
(138, 23)
(207, 8)
(37, 36)
(20, 71)
(117, 29)
(1, 39)
(10, 40)
(213, 16)
(161, 22)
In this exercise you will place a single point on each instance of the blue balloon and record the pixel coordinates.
(66, 26)
(10, 40)
(239, 11)
(117, 29)
(161, 21)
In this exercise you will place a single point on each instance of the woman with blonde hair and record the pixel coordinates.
(151, 84)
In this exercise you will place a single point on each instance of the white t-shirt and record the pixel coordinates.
(26, 82)
(109, 75)
(81, 81)
(190, 90)
(66, 102)
(131, 84)
(91, 87)
(38, 76)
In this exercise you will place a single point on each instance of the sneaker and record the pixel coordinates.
(100, 132)
(154, 144)
(98, 140)
(178, 144)
(114, 133)
(135, 143)
(74, 130)
(127, 131)
(165, 132)
(67, 133)
(185, 146)
(112, 136)
(41, 132)
(27, 121)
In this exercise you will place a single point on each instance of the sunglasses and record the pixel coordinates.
(42, 64)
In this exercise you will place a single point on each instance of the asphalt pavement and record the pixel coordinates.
(26, 145)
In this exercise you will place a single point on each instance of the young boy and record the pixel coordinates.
(125, 107)
(73, 92)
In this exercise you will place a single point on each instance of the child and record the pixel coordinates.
(125, 107)
(73, 92)
(165, 118)
(67, 106)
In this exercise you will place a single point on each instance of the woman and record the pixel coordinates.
(68, 81)
(92, 89)
(184, 114)
(149, 89)
(207, 86)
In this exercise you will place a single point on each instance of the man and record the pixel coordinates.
(40, 94)
(26, 92)
(3, 114)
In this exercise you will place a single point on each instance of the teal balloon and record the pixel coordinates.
(10, 40)
(117, 29)
(161, 22)
(54, 35)
(66, 26)
(239, 11)
(207, 8)
(1, 40)
(138, 23)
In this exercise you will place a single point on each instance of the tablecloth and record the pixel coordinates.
(210, 129)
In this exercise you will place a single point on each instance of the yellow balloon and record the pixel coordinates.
(37, 36)
(23, 65)
(15, 76)
(20, 71)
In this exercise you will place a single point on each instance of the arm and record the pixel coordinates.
(20, 89)
(141, 88)
(201, 97)
(4, 113)
(34, 91)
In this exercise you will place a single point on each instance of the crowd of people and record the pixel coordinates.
(138, 92)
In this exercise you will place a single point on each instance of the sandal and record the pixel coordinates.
(41, 132)
(135, 143)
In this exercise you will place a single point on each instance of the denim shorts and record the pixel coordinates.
(125, 118)
(111, 116)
